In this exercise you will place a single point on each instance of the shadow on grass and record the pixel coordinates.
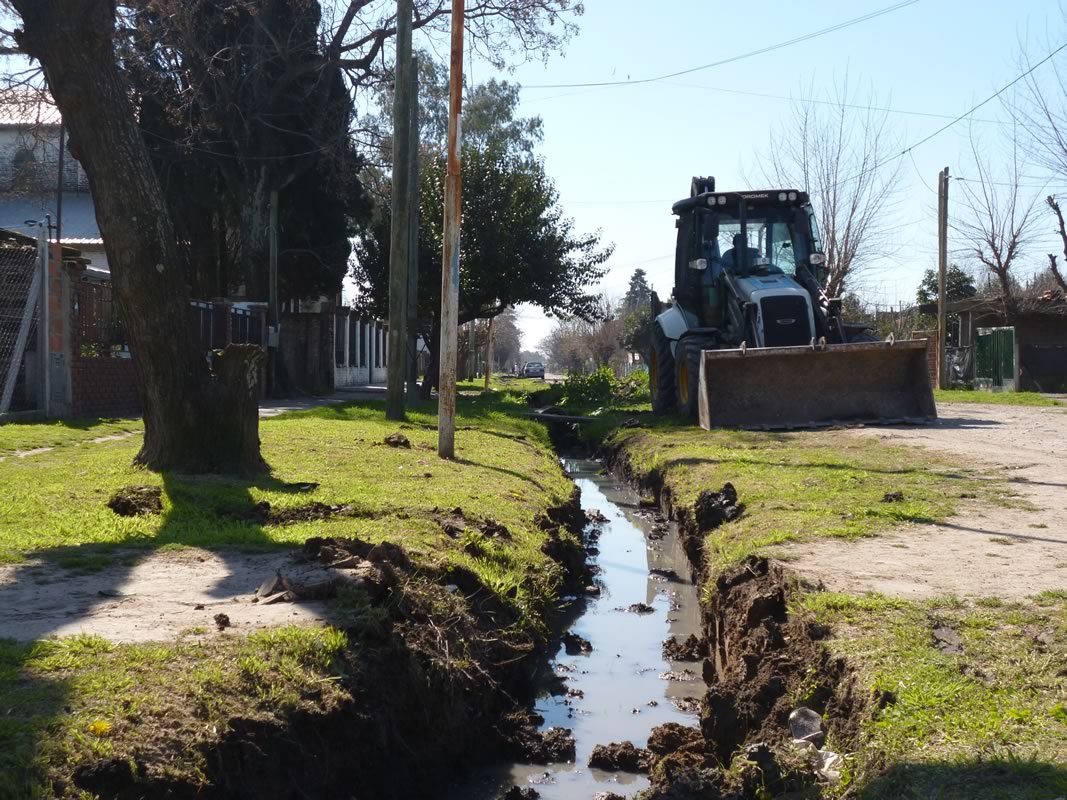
(1010, 778)
(32, 705)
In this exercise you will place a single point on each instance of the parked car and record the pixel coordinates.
(533, 369)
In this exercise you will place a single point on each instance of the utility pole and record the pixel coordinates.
(446, 397)
(413, 244)
(59, 184)
(400, 234)
(489, 354)
(272, 297)
(942, 270)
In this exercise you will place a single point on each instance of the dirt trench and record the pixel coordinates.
(762, 663)
(428, 689)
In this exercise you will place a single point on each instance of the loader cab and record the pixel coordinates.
(739, 235)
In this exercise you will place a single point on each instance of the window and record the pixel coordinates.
(23, 170)
(339, 339)
(353, 342)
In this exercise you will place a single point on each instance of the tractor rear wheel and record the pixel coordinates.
(661, 373)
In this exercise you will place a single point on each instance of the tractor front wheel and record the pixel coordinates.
(661, 373)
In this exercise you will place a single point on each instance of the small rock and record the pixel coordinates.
(270, 585)
(893, 497)
(806, 725)
(398, 440)
(198, 607)
(222, 621)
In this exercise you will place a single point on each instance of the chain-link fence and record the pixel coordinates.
(20, 290)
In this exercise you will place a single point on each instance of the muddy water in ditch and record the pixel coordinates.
(627, 687)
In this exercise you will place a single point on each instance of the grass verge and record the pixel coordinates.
(162, 708)
(985, 723)
(994, 398)
(800, 485)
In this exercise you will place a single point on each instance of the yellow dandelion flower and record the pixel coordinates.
(99, 727)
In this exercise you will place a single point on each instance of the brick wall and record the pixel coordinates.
(931, 353)
(103, 387)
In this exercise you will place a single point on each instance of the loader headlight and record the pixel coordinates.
(722, 199)
(792, 197)
(781, 197)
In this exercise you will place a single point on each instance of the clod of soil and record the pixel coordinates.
(640, 608)
(552, 746)
(596, 516)
(575, 645)
(948, 641)
(521, 793)
(135, 501)
(712, 509)
(893, 497)
(621, 756)
(672, 737)
(690, 649)
(398, 440)
(222, 621)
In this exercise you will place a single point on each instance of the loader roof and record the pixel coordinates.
(757, 197)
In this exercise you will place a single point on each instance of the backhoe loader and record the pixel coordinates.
(751, 340)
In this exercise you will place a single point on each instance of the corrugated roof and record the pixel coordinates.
(79, 215)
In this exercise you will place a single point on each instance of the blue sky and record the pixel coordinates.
(621, 155)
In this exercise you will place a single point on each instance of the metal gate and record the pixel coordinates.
(994, 359)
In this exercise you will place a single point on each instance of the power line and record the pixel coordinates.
(954, 121)
(761, 51)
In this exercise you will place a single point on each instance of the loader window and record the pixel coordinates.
(776, 241)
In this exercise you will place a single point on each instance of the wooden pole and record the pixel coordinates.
(413, 244)
(272, 298)
(400, 234)
(446, 398)
(489, 353)
(942, 271)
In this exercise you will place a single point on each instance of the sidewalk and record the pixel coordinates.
(272, 407)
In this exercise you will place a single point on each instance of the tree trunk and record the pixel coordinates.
(196, 419)
(255, 240)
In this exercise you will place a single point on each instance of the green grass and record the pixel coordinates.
(75, 700)
(54, 504)
(989, 723)
(994, 398)
(801, 485)
(69, 701)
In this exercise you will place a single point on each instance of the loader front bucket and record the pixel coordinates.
(801, 387)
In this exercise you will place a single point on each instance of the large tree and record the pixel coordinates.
(843, 157)
(517, 247)
(959, 285)
(196, 418)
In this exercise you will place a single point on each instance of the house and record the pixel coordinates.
(1028, 355)
(29, 181)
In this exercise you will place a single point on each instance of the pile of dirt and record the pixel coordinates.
(690, 649)
(455, 522)
(528, 745)
(135, 501)
(262, 513)
(622, 756)
(712, 509)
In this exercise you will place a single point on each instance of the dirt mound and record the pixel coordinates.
(575, 645)
(690, 649)
(761, 660)
(398, 440)
(622, 756)
(712, 509)
(263, 513)
(135, 501)
(531, 746)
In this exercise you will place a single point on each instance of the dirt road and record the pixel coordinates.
(985, 550)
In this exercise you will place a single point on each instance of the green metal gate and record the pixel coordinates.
(994, 359)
